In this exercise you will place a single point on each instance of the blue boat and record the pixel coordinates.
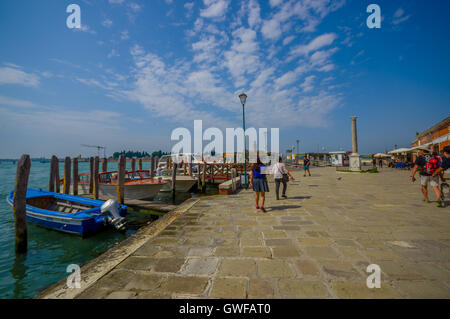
(72, 214)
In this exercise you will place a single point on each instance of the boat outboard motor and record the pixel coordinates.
(110, 209)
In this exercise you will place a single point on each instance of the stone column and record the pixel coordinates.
(355, 162)
(354, 136)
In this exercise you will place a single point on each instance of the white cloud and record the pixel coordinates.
(214, 8)
(274, 3)
(85, 28)
(134, 7)
(307, 85)
(242, 59)
(286, 79)
(254, 17)
(398, 13)
(10, 75)
(288, 40)
(112, 54)
(107, 23)
(6, 101)
(271, 29)
(124, 35)
(399, 16)
(263, 77)
(317, 43)
(116, 1)
(189, 6)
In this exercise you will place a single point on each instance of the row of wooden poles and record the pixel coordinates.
(21, 186)
(54, 182)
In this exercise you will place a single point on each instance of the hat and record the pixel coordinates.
(446, 149)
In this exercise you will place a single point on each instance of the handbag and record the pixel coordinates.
(285, 177)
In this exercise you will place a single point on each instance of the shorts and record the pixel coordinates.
(434, 181)
(306, 168)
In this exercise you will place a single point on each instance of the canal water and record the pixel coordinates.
(50, 252)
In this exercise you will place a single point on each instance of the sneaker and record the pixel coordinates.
(284, 196)
(439, 203)
(263, 209)
(257, 207)
(425, 201)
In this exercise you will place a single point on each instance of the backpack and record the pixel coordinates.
(431, 164)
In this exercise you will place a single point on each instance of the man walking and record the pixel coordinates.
(306, 164)
(428, 165)
(445, 165)
(445, 162)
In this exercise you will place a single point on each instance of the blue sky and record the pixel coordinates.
(138, 69)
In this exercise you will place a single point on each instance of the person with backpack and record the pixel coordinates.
(428, 164)
(259, 184)
(306, 164)
(445, 165)
(281, 175)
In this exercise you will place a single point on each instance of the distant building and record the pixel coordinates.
(437, 136)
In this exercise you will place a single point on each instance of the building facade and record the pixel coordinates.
(437, 136)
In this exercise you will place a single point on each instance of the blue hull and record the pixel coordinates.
(83, 223)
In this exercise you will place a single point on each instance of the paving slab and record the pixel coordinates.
(317, 243)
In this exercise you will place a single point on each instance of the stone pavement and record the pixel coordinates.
(315, 244)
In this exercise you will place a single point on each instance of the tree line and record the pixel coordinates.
(138, 154)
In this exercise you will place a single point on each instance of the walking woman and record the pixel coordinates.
(259, 184)
(281, 175)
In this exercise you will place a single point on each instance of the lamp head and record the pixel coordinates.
(243, 98)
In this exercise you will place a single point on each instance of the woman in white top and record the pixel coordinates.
(281, 174)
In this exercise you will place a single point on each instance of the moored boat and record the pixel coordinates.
(182, 183)
(71, 214)
(138, 185)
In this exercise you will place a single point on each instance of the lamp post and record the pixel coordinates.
(243, 98)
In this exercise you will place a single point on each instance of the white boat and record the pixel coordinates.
(182, 184)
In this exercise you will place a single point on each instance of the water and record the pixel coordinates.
(49, 252)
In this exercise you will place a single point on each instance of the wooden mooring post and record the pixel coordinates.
(121, 165)
(54, 175)
(67, 171)
(19, 204)
(96, 163)
(140, 164)
(174, 179)
(152, 166)
(75, 176)
(133, 164)
(199, 178)
(91, 175)
(104, 164)
(204, 178)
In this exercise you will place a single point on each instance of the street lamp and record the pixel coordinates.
(243, 98)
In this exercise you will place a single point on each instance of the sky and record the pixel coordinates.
(136, 70)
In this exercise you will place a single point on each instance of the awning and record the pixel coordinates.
(416, 148)
(381, 155)
(400, 150)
